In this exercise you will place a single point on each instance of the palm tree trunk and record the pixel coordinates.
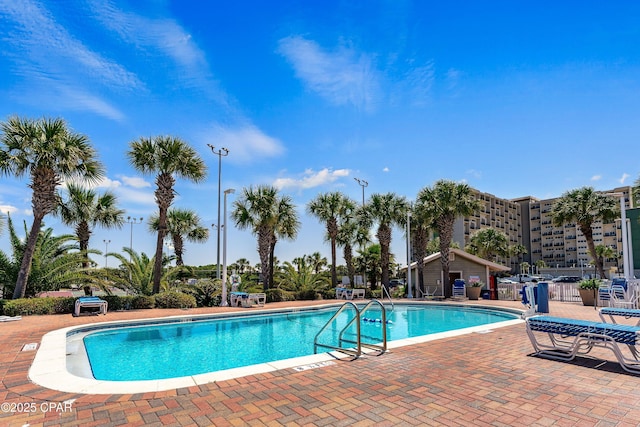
(263, 251)
(83, 233)
(348, 259)
(178, 248)
(27, 257)
(588, 234)
(384, 238)
(445, 229)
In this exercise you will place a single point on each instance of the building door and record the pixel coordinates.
(453, 275)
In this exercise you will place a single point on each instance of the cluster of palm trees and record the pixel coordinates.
(51, 154)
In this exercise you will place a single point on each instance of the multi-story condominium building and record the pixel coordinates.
(527, 221)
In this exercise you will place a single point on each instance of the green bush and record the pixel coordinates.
(307, 295)
(174, 299)
(26, 306)
(279, 295)
(142, 302)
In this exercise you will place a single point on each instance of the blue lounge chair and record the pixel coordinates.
(570, 337)
(613, 312)
(458, 288)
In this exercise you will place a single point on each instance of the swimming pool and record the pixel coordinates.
(190, 348)
(162, 354)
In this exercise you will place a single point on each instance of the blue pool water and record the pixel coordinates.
(172, 350)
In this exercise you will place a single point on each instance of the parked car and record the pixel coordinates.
(507, 281)
(567, 279)
(396, 282)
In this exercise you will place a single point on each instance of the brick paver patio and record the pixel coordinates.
(486, 379)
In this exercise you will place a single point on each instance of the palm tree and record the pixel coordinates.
(421, 223)
(182, 224)
(258, 209)
(56, 261)
(85, 209)
(317, 261)
(446, 201)
(286, 227)
(50, 153)
(488, 243)
(584, 206)
(387, 210)
(244, 266)
(167, 157)
(604, 252)
(135, 273)
(328, 208)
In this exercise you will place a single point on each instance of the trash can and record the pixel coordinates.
(543, 297)
(486, 294)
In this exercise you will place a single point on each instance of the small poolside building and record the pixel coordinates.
(462, 265)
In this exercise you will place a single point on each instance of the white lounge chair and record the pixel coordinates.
(567, 338)
(90, 302)
(258, 299)
(622, 298)
(239, 299)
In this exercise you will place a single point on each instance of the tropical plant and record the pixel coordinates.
(604, 252)
(302, 277)
(446, 201)
(421, 223)
(317, 261)
(369, 262)
(590, 284)
(387, 210)
(182, 224)
(266, 214)
(488, 243)
(584, 206)
(56, 262)
(168, 157)
(328, 208)
(136, 272)
(50, 153)
(85, 209)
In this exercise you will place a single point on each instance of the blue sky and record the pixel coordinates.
(514, 98)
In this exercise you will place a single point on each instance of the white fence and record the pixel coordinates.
(565, 292)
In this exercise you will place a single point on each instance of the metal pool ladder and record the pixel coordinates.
(357, 351)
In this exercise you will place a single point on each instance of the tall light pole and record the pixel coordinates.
(222, 152)
(106, 250)
(224, 303)
(623, 226)
(130, 220)
(362, 183)
(410, 292)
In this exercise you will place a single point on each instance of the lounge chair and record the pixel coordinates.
(568, 338)
(614, 312)
(458, 288)
(90, 302)
(357, 293)
(621, 298)
(239, 299)
(258, 299)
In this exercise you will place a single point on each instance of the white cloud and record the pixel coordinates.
(8, 209)
(624, 178)
(596, 177)
(311, 179)
(419, 82)
(129, 195)
(245, 144)
(134, 181)
(342, 77)
(40, 37)
(474, 173)
(385, 169)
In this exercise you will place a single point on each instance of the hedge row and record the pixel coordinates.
(63, 305)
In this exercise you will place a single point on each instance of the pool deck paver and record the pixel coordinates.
(480, 379)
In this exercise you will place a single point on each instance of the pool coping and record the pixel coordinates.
(49, 368)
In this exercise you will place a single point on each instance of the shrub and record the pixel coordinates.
(174, 299)
(142, 302)
(279, 295)
(26, 306)
(307, 295)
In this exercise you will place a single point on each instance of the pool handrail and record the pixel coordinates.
(355, 352)
(381, 348)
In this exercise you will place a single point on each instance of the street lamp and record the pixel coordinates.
(625, 242)
(222, 152)
(131, 221)
(410, 292)
(106, 250)
(224, 303)
(362, 183)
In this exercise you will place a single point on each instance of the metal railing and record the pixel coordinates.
(357, 351)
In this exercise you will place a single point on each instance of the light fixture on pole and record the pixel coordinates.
(130, 220)
(362, 183)
(410, 292)
(222, 152)
(623, 224)
(224, 303)
(106, 250)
